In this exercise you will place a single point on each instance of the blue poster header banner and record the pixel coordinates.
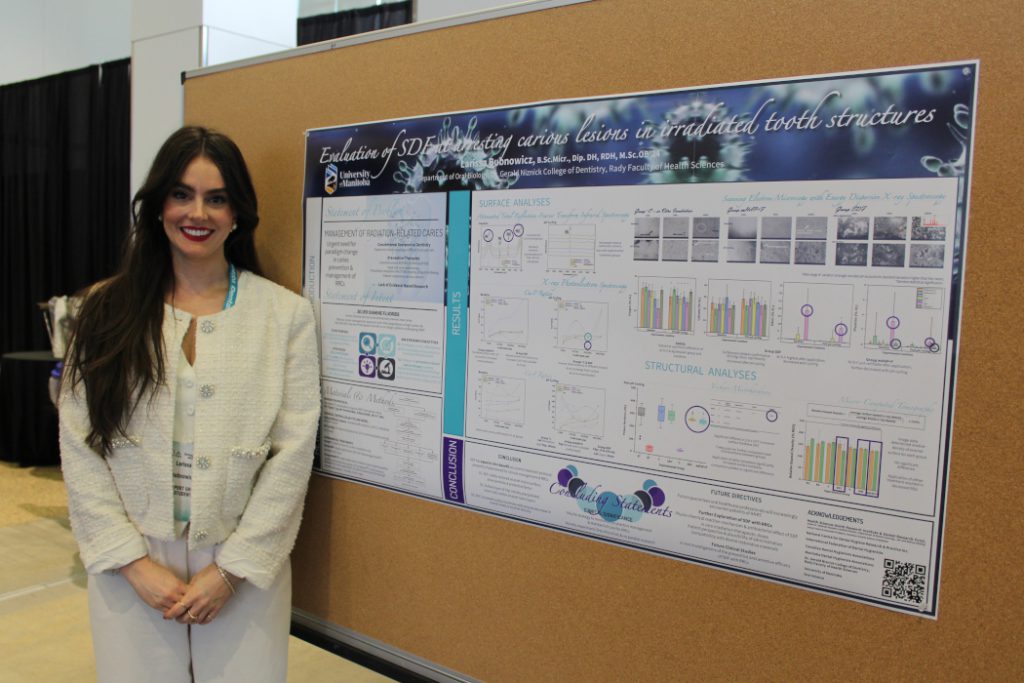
(892, 124)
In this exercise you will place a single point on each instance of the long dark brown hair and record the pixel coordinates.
(116, 349)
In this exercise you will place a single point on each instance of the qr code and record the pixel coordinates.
(904, 581)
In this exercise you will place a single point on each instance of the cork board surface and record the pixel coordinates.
(501, 601)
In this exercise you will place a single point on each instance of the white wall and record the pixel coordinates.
(171, 37)
(163, 38)
(437, 9)
(44, 37)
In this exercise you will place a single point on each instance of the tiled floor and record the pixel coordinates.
(44, 623)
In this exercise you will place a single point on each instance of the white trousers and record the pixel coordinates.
(247, 642)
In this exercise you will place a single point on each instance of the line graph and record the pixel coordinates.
(582, 325)
(579, 409)
(501, 399)
(572, 248)
(504, 319)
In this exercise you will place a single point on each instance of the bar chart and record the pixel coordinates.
(843, 463)
(738, 308)
(666, 304)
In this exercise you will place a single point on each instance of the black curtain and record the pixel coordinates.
(64, 191)
(350, 22)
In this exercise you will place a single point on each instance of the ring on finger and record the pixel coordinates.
(191, 616)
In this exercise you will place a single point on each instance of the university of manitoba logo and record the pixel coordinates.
(331, 179)
(610, 506)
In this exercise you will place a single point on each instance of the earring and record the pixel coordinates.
(234, 226)
(160, 218)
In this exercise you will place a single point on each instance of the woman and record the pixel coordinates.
(188, 415)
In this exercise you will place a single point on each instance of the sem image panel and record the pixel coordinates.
(675, 226)
(742, 228)
(890, 228)
(645, 250)
(927, 255)
(851, 254)
(927, 230)
(810, 253)
(891, 255)
(705, 251)
(775, 251)
(675, 250)
(741, 251)
(704, 227)
(776, 227)
(647, 226)
(853, 228)
(811, 228)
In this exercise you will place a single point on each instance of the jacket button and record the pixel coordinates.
(202, 462)
(207, 326)
(206, 391)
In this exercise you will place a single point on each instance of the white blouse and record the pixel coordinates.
(182, 442)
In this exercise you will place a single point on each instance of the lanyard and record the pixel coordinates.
(229, 300)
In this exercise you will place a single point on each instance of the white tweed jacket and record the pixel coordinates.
(257, 411)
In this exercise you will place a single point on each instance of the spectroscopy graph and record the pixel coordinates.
(501, 248)
(817, 314)
(904, 319)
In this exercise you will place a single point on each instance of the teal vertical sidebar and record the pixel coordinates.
(456, 315)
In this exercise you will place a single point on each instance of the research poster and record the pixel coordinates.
(717, 324)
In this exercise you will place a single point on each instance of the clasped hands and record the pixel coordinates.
(197, 602)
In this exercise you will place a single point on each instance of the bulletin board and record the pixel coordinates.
(496, 600)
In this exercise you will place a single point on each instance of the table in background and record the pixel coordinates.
(28, 421)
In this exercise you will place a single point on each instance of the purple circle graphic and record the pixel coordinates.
(892, 322)
(657, 496)
(807, 310)
(564, 476)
